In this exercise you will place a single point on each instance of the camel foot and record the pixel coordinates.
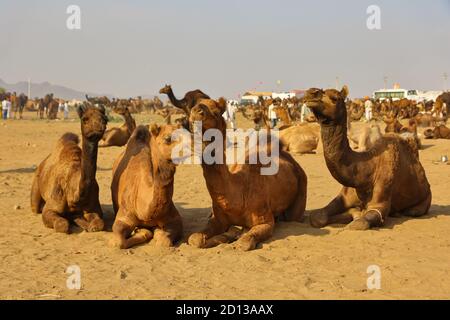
(96, 225)
(162, 239)
(197, 240)
(245, 243)
(318, 219)
(359, 224)
(61, 226)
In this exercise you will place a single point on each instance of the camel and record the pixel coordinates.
(363, 139)
(142, 189)
(64, 186)
(440, 132)
(301, 138)
(233, 190)
(21, 102)
(118, 137)
(385, 180)
(190, 98)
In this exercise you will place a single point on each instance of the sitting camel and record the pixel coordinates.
(387, 179)
(300, 138)
(142, 189)
(118, 137)
(440, 132)
(233, 190)
(64, 186)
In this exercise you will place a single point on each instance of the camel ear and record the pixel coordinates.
(344, 92)
(155, 129)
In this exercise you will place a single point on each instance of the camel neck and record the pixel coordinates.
(129, 122)
(89, 151)
(339, 157)
(173, 99)
(217, 172)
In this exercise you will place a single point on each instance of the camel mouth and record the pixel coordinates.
(94, 135)
(313, 103)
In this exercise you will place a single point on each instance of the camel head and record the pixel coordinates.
(328, 106)
(93, 121)
(161, 141)
(209, 112)
(122, 110)
(166, 89)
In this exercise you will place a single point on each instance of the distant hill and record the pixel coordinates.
(41, 89)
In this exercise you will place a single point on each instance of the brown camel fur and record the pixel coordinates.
(118, 137)
(64, 186)
(188, 102)
(387, 179)
(233, 189)
(142, 189)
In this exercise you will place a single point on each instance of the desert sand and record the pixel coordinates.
(299, 262)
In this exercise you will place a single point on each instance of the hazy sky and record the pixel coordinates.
(225, 47)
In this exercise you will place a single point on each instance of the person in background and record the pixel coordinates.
(368, 109)
(230, 114)
(305, 111)
(13, 106)
(272, 116)
(6, 108)
(66, 110)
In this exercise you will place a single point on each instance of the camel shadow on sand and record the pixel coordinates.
(434, 212)
(19, 170)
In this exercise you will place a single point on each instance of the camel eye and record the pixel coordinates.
(168, 139)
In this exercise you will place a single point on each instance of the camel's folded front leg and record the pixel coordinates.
(124, 237)
(90, 222)
(215, 227)
(345, 200)
(52, 219)
(378, 208)
(255, 235)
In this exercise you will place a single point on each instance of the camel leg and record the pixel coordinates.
(346, 217)
(419, 209)
(229, 236)
(255, 235)
(214, 227)
(345, 200)
(169, 233)
(90, 222)
(52, 219)
(378, 208)
(123, 237)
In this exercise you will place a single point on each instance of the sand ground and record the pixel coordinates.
(299, 262)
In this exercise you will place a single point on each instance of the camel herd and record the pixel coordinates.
(381, 174)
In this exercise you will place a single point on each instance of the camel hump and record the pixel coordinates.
(141, 134)
(69, 137)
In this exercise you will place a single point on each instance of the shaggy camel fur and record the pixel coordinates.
(188, 102)
(64, 186)
(440, 132)
(142, 189)
(301, 138)
(387, 179)
(118, 137)
(233, 189)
